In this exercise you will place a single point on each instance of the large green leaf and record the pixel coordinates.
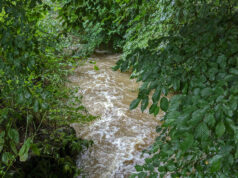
(220, 129)
(7, 158)
(134, 103)
(202, 131)
(210, 119)
(152, 108)
(13, 135)
(215, 163)
(23, 153)
(187, 142)
(164, 104)
(144, 103)
(156, 95)
(234, 71)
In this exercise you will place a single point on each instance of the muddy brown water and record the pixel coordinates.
(119, 135)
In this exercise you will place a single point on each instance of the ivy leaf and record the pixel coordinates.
(164, 104)
(134, 103)
(220, 129)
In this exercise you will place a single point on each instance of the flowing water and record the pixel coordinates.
(119, 134)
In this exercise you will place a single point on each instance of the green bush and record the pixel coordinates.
(189, 49)
(34, 103)
(99, 23)
(186, 48)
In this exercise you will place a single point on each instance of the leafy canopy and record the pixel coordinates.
(188, 48)
(33, 99)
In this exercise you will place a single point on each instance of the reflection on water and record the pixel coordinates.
(120, 134)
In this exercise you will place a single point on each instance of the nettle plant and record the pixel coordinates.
(195, 57)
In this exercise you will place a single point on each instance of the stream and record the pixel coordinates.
(119, 135)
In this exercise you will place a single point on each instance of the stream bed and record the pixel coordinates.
(119, 135)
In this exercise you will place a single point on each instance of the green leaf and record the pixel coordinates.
(164, 104)
(197, 116)
(210, 119)
(13, 147)
(27, 94)
(20, 98)
(202, 131)
(156, 95)
(23, 153)
(35, 149)
(144, 104)
(161, 169)
(220, 129)
(206, 92)
(171, 167)
(139, 168)
(134, 103)
(215, 162)
(165, 90)
(142, 175)
(234, 71)
(152, 108)
(44, 106)
(36, 106)
(7, 158)
(2, 141)
(13, 135)
(187, 142)
(176, 85)
(156, 111)
(96, 68)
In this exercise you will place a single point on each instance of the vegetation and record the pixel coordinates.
(35, 106)
(188, 48)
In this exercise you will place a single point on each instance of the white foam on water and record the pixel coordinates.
(119, 135)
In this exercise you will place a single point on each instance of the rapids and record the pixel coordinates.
(119, 135)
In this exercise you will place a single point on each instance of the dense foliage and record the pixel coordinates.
(194, 56)
(35, 107)
(100, 22)
(190, 49)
